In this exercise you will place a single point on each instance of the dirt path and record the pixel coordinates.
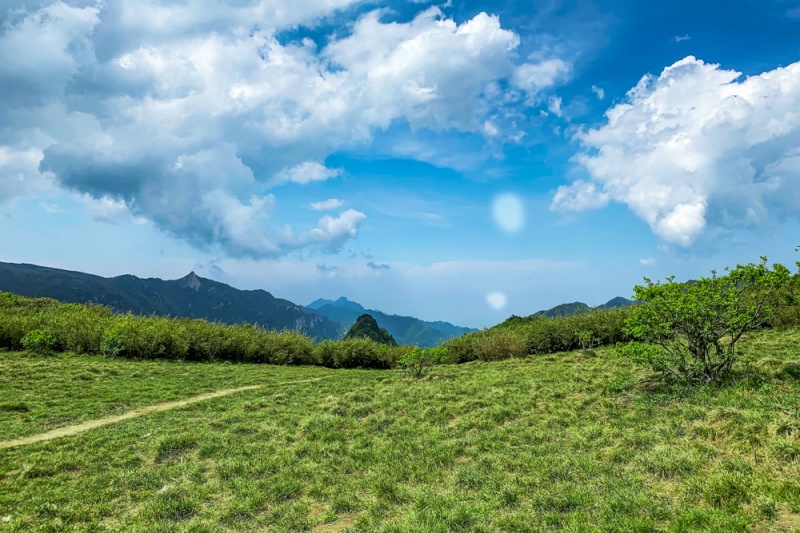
(91, 424)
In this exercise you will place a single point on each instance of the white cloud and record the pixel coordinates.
(306, 172)
(648, 261)
(695, 150)
(19, 172)
(183, 113)
(155, 18)
(325, 205)
(579, 196)
(599, 92)
(334, 231)
(432, 71)
(681, 38)
(490, 130)
(554, 105)
(534, 77)
(43, 51)
(110, 210)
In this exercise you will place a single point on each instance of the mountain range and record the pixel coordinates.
(195, 297)
(405, 329)
(577, 308)
(190, 296)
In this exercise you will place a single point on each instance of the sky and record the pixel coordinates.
(460, 161)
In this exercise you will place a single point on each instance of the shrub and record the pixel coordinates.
(417, 361)
(691, 329)
(14, 326)
(287, 348)
(150, 337)
(39, 341)
(78, 328)
(113, 343)
(498, 344)
(324, 353)
(492, 344)
(461, 349)
(354, 353)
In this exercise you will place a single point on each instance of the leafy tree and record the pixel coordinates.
(366, 327)
(691, 329)
(418, 360)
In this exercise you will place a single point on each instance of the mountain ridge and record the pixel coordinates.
(406, 330)
(190, 296)
(575, 308)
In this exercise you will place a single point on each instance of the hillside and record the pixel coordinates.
(577, 308)
(549, 443)
(191, 296)
(562, 310)
(614, 303)
(405, 329)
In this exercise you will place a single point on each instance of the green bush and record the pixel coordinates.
(691, 329)
(150, 337)
(14, 326)
(288, 348)
(113, 343)
(363, 353)
(545, 335)
(461, 349)
(538, 335)
(48, 325)
(39, 341)
(78, 328)
(324, 353)
(417, 361)
(499, 344)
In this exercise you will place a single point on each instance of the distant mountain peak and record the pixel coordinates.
(191, 281)
(367, 327)
(340, 303)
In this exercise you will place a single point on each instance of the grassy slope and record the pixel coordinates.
(543, 443)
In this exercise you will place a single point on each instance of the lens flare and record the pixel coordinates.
(508, 212)
(496, 300)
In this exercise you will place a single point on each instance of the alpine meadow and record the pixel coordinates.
(453, 266)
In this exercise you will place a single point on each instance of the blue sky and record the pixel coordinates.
(462, 161)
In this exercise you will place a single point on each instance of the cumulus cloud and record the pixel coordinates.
(185, 113)
(19, 172)
(405, 73)
(110, 210)
(599, 92)
(306, 172)
(535, 76)
(579, 196)
(696, 150)
(554, 106)
(324, 205)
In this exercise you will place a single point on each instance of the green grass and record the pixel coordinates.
(556, 442)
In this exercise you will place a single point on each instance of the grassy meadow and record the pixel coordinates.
(547, 442)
